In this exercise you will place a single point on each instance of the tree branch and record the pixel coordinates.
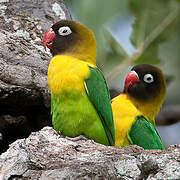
(144, 45)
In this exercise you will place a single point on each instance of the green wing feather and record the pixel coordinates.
(144, 134)
(99, 95)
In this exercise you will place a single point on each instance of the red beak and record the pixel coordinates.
(48, 39)
(131, 79)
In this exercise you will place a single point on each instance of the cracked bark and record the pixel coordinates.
(48, 155)
(24, 94)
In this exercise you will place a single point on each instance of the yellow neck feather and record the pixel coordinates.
(85, 48)
(149, 108)
(67, 73)
(124, 113)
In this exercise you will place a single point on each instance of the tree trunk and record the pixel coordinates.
(24, 94)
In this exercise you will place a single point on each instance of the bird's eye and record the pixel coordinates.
(148, 78)
(64, 31)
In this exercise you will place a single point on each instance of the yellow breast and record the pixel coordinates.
(124, 113)
(67, 73)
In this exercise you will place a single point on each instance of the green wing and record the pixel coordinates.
(144, 134)
(99, 95)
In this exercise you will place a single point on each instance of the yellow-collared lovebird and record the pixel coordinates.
(135, 109)
(80, 100)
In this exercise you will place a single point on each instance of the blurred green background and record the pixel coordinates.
(136, 31)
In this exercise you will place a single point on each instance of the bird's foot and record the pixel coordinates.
(59, 132)
(81, 137)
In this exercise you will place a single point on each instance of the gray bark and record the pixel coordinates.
(48, 155)
(25, 106)
(24, 94)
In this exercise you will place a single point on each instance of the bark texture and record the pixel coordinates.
(48, 155)
(24, 95)
(25, 107)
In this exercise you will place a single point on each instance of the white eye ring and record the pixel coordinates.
(148, 78)
(64, 31)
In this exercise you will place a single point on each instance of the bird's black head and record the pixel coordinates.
(70, 37)
(145, 82)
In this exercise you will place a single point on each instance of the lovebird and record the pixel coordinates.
(135, 109)
(80, 100)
